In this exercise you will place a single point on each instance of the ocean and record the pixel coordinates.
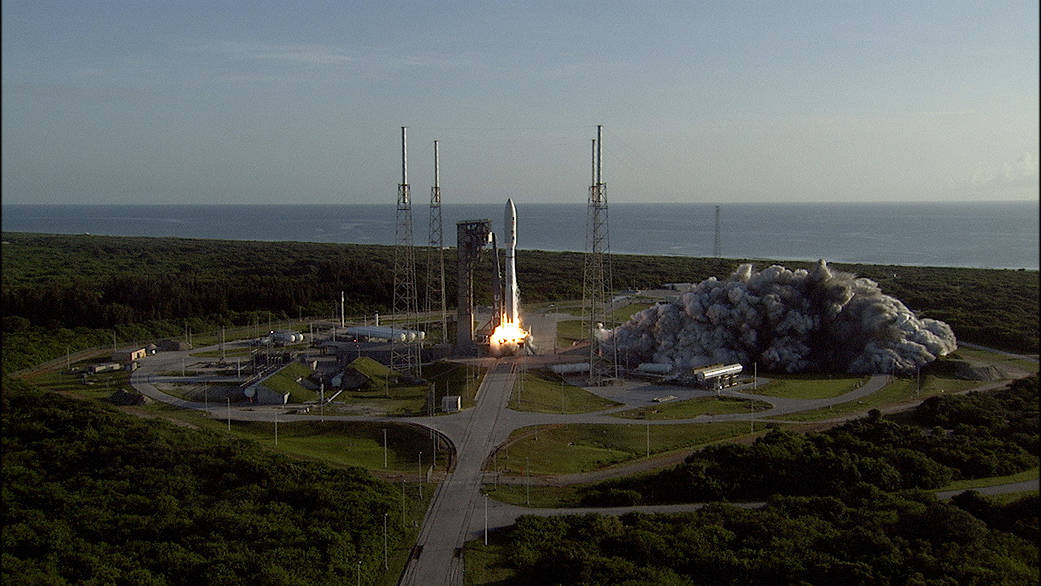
(962, 234)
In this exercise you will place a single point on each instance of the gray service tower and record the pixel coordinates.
(471, 237)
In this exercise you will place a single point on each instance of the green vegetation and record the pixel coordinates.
(693, 408)
(1030, 474)
(570, 331)
(566, 449)
(92, 495)
(793, 386)
(900, 390)
(882, 539)
(72, 291)
(978, 435)
(1000, 360)
(285, 381)
(544, 392)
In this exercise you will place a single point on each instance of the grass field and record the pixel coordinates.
(566, 449)
(1030, 474)
(693, 408)
(544, 392)
(900, 390)
(447, 378)
(484, 563)
(284, 381)
(794, 386)
(569, 331)
(996, 359)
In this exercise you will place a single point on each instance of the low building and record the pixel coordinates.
(125, 356)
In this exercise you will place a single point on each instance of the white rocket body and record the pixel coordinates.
(511, 309)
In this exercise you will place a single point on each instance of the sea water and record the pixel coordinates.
(961, 234)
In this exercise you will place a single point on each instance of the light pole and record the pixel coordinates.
(229, 413)
(384, 447)
(486, 518)
(420, 483)
(386, 566)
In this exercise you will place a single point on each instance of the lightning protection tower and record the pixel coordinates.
(435, 296)
(596, 275)
(404, 356)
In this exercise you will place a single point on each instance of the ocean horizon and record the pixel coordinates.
(946, 234)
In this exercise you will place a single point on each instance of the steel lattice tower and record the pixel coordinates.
(717, 249)
(596, 276)
(435, 297)
(404, 356)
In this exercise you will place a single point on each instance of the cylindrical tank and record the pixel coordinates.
(725, 370)
(655, 367)
(571, 368)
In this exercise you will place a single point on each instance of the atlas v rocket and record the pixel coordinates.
(511, 298)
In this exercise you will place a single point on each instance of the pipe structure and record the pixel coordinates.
(404, 158)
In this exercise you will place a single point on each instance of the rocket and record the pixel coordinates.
(511, 309)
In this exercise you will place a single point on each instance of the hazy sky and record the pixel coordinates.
(301, 102)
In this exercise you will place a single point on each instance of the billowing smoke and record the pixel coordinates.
(785, 320)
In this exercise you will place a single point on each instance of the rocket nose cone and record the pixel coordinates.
(509, 206)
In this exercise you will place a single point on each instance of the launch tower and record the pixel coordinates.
(597, 273)
(404, 356)
(471, 237)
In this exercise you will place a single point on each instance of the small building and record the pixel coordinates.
(104, 367)
(451, 403)
(124, 356)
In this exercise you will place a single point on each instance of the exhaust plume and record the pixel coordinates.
(792, 321)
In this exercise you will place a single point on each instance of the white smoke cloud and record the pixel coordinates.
(786, 320)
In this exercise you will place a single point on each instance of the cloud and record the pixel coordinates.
(1021, 171)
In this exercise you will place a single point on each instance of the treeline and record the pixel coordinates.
(885, 539)
(92, 495)
(56, 281)
(977, 435)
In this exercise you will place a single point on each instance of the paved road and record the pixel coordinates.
(445, 528)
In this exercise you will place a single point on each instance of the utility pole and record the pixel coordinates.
(386, 566)
(229, 413)
(486, 518)
(384, 447)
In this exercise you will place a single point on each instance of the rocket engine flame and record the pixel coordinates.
(507, 338)
(785, 320)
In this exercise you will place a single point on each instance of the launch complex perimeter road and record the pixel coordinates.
(456, 513)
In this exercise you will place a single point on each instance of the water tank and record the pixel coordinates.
(718, 371)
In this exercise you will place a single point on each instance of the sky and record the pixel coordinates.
(702, 102)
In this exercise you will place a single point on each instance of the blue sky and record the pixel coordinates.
(279, 102)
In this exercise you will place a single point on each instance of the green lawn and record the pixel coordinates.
(284, 381)
(542, 497)
(570, 331)
(809, 386)
(544, 392)
(566, 449)
(901, 390)
(622, 314)
(693, 408)
(447, 378)
(1030, 474)
(484, 563)
(996, 359)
